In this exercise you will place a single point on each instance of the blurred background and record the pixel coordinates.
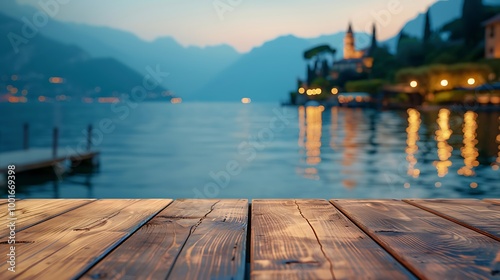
(251, 99)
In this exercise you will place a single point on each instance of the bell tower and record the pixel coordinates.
(349, 49)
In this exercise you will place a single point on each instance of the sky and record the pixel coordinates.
(243, 24)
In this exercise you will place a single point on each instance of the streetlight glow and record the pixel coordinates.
(246, 100)
(413, 84)
(335, 91)
(302, 90)
(471, 81)
(444, 83)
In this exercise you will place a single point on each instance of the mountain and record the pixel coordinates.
(270, 71)
(442, 12)
(189, 67)
(41, 58)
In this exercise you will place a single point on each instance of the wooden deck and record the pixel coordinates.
(267, 239)
(38, 158)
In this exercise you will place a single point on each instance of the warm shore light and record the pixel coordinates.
(335, 91)
(246, 100)
(56, 80)
(413, 84)
(444, 83)
(176, 100)
(471, 81)
(302, 90)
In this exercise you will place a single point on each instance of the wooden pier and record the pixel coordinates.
(267, 239)
(32, 159)
(40, 158)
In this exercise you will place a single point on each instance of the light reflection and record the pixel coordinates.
(313, 133)
(414, 122)
(310, 129)
(350, 148)
(334, 127)
(497, 164)
(445, 150)
(302, 126)
(469, 150)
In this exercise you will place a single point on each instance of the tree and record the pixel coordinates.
(374, 38)
(472, 15)
(427, 28)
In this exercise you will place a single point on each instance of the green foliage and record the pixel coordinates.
(427, 27)
(319, 50)
(494, 65)
(369, 86)
(410, 52)
(472, 16)
(320, 82)
(429, 77)
(385, 64)
(448, 97)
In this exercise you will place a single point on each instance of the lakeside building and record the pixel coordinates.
(492, 37)
(354, 61)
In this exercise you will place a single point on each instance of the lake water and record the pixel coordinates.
(231, 150)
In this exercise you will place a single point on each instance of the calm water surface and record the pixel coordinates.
(232, 150)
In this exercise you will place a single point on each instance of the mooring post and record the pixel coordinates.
(89, 137)
(55, 139)
(26, 139)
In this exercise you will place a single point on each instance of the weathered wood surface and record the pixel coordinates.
(430, 246)
(466, 212)
(190, 239)
(496, 201)
(310, 239)
(295, 239)
(34, 211)
(62, 247)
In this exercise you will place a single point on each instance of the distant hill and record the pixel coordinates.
(270, 71)
(442, 12)
(266, 73)
(189, 67)
(42, 58)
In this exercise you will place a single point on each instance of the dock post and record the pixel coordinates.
(89, 137)
(26, 139)
(55, 138)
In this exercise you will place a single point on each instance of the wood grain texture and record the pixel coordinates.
(68, 244)
(311, 239)
(216, 246)
(495, 201)
(430, 246)
(190, 239)
(466, 212)
(34, 211)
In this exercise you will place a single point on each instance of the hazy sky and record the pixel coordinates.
(241, 23)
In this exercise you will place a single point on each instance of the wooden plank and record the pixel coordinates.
(34, 211)
(481, 216)
(495, 201)
(216, 247)
(430, 246)
(310, 239)
(190, 239)
(68, 244)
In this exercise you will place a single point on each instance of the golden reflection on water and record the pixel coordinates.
(310, 129)
(350, 146)
(444, 150)
(334, 127)
(496, 166)
(314, 125)
(302, 126)
(414, 122)
(469, 150)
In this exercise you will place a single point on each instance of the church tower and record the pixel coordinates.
(349, 49)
